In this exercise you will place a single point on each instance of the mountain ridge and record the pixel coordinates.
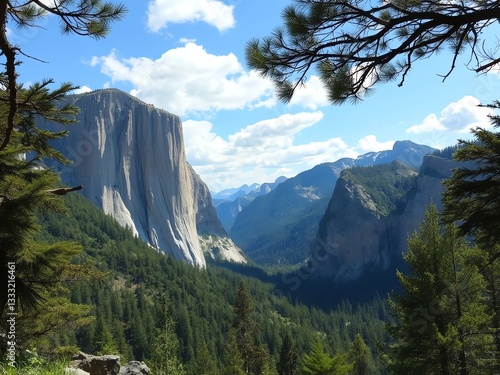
(284, 222)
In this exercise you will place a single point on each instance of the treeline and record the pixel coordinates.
(129, 302)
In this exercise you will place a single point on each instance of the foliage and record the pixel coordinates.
(387, 185)
(472, 196)
(318, 362)
(360, 356)
(244, 326)
(233, 361)
(443, 324)
(128, 302)
(36, 271)
(31, 363)
(165, 348)
(357, 43)
(288, 363)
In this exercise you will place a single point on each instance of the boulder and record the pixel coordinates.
(134, 368)
(96, 365)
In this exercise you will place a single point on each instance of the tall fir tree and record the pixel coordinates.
(472, 200)
(233, 361)
(442, 323)
(361, 358)
(244, 326)
(319, 362)
(26, 188)
(165, 358)
(288, 363)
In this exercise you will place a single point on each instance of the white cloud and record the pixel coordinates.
(188, 79)
(429, 124)
(459, 116)
(216, 13)
(82, 90)
(263, 151)
(311, 95)
(370, 144)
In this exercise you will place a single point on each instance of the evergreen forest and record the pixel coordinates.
(138, 290)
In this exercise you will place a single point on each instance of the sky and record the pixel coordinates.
(187, 57)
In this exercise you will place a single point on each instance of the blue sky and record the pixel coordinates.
(187, 57)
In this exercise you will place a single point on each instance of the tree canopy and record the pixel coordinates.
(472, 196)
(355, 44)
(26, 186)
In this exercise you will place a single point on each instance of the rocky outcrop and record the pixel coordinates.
(213, 237)
(87, 364)
(130, 158)
(354, 236)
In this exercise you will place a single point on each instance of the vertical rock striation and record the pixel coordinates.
(130, 158)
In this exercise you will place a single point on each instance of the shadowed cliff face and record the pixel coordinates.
(281, 227)
(355, 237)
(213, 237)
(130, 158)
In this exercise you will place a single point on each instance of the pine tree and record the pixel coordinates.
(354, 44)
(361, 358)
(471, 200)
(288, 360)
(26, 187)
(244, 326)
(204, 363)
(165, 348)
(471, 195)
(442, 321)
(233, 361)
(318, 362)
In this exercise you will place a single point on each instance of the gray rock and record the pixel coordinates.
(213, 237)
(96, 365)
(353, 236)
(74, 371)
(134, 368)
(130, 158)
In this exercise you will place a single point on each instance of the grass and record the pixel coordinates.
(33, 364)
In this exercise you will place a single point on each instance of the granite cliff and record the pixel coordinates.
(281, 226)
(368, 220)
(130, 158)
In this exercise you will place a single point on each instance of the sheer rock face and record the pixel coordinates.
(353, 237)
(130, 158)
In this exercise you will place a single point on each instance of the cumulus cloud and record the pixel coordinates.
(459, 116)
(213, 12)
(263, 151)
(311, 95)
(189, 79)
(370, 144)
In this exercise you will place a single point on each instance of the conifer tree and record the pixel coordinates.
(165, 348)
(233, 361)
(442, 320)
(26, 188)
(319, 362)
(472, 193)
(361, 358)
(204, 363)
(354, 44)
(472, 201)
(288, 360)
(244, 326)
